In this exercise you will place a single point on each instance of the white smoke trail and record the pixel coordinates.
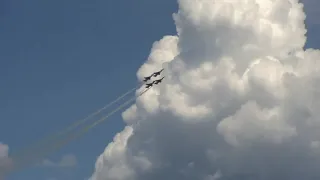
(32, 158)
(50, 139)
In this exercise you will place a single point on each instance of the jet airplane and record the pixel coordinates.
(149, 84)
(147, 78)
(155, 74)
(158, 81)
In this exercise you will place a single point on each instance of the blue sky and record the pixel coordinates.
(60, 61)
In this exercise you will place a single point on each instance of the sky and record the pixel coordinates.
(61, 60)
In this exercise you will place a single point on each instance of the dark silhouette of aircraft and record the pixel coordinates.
(155, 74)
(158, 81)
(149, 84)
(147, 78)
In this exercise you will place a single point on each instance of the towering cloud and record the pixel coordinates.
(240, 99)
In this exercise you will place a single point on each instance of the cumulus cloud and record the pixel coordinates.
(240, 99)
(6, 163)
(69, 160)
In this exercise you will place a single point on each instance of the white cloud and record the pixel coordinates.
(6, 163)
(216, 176)
(4, 150)
(69, 160)
(253, 123)
(240, 99)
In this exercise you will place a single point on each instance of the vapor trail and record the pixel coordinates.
(83, 131)
(70, 128)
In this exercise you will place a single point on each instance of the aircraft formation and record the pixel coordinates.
(47, 145)
(155, 74)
